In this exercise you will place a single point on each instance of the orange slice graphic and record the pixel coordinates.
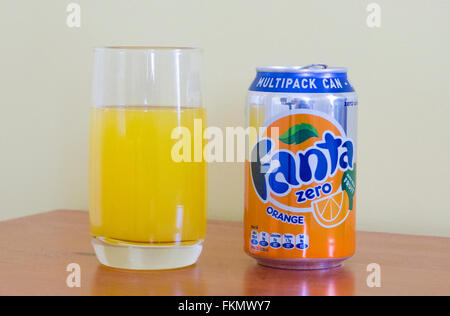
(332, 210)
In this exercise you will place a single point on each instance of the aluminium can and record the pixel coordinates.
(300, 174)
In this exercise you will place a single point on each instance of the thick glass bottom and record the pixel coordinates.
(123, 255)
(301, 264)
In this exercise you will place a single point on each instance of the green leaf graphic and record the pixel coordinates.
(299, 133)
(349, 184)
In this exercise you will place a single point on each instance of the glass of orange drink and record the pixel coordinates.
(147, 207)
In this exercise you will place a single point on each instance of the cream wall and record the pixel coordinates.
(401, 73)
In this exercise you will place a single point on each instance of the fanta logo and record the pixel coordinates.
(279, 171)
(304, 163)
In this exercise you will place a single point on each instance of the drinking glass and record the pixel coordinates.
(147, 194)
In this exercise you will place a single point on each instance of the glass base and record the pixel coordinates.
(122, 255)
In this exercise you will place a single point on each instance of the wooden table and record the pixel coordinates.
(35, 251)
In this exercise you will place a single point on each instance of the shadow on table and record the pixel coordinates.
(113, 282)
(260, 280)
(254, 281)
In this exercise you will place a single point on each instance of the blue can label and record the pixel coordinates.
(301, 82)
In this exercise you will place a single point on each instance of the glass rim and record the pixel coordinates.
(130, 48)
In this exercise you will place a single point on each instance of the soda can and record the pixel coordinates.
(300, 199)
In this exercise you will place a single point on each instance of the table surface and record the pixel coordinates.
(36, 250)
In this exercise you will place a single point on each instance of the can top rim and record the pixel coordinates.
(314, 68)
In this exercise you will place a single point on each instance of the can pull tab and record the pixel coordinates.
(315, 66)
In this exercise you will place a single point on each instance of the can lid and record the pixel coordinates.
(315, 78)
(313, 68)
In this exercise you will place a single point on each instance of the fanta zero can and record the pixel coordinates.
(300, 201)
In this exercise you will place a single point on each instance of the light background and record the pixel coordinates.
(400, 71)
